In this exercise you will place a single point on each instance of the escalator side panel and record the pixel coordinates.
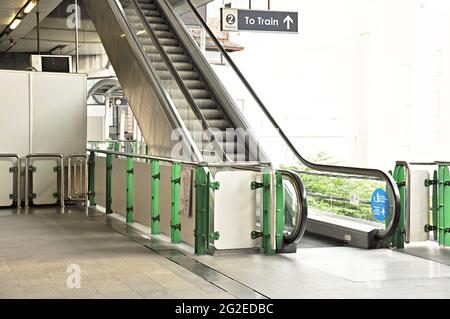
(146, 102)
(215, 85)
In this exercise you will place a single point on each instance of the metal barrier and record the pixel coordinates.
(29, 169)
(440, 200)
(204, 186)
(16, 170)
(78, 174)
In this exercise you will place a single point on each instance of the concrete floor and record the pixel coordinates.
(118, 262)
(36, 249)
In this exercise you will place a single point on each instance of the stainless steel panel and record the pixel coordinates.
(153, 119)
(45, 182)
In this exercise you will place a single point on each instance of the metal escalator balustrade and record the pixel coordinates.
(170, 60)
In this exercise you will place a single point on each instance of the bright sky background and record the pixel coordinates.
(366, 81)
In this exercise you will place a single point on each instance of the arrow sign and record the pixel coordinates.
(258, 20)
(288, 21)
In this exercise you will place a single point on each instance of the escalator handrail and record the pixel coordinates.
(302, 215)
(369, 172)
(179, 80)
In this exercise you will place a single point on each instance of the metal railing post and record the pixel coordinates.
(91, 179)
(266, 227)
(201, 211)
(280, 208)
(398, 237)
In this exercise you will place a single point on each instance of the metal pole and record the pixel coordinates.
(249, 4)
(268, 4)
(38, 33)
(76, 36)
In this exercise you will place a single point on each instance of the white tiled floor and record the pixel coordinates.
(35, 251)
(338, 272)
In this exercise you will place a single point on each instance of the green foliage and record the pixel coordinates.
(332, 194)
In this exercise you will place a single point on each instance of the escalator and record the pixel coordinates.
(171, 85)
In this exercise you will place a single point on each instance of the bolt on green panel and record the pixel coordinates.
(280, 207)
(176, 188)
(129, 190)
(91, 179)
(201, 211)
(109, 168)
(156, 176)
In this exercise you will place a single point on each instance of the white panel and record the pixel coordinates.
(235, 210)
(100, 181)
(14, 108)
(58, 113)
(118, 186)
(45, 182)
(420, 205)
(95, 129)
(7, 184)
(142, 187)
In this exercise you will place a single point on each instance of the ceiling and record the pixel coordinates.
(55, 34)
(8, 10)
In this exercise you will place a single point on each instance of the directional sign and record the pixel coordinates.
(380, 204)
(256, 20)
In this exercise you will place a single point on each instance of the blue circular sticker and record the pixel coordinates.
(380, 204)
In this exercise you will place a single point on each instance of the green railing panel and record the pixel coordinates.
(156, 176)
(398, 238)
(129, 190)
(201, 211)
(266, 216)
(109, 168)
(280, 207)
(176, 188)
(91, 179)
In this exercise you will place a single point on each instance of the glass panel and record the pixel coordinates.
(165, 78)
(350, 197)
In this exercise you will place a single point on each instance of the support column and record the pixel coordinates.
(176, 188)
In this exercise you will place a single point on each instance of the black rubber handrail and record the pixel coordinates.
(300, 225)
(179, 80)
(382, 234)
